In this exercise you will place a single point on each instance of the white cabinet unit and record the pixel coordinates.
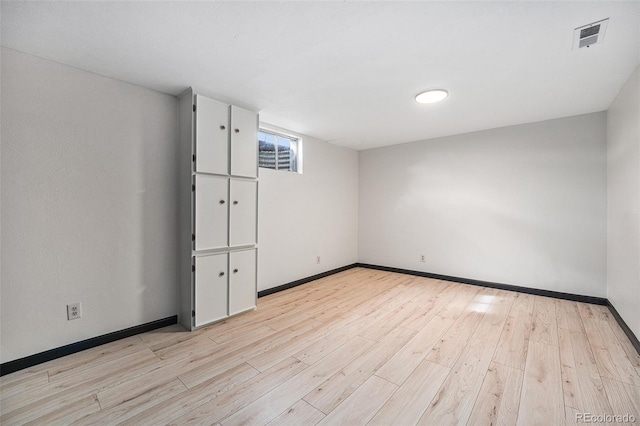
(218, 195)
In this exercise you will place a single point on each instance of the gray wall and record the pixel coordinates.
(301, 216)
(522, 205)
(623, 181)
(88, 204)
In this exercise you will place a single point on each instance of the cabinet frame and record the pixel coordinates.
(187, 172)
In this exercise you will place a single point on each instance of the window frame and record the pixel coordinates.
(289, 136)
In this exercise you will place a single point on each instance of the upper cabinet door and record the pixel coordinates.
(244, 143)
(212, 136)
(211, 212)
(243, 196)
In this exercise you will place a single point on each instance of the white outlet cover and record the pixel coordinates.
(74, 311)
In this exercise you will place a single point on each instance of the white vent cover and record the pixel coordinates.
(589, 34)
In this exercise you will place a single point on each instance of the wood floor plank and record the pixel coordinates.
(592, 396)
(523, 302)
(220, 363)
(338, 327)
(85, 360)
(611, 359)
(407, 405)
(544, 327)
(624, 398)
(24, 384)
(454, 340)
(26, 407)
(405, 360)
(134, 404)
(625, 343)
(227, 379)
(455, 398)
(193, 406)
(331, 392)
(541, 402)
(363, 404)
(68, 413)
(183, 349)
(499, 397)
(591, 312)
(493, 320)
(570, 380)
(430, 306)
(270, 405)
(568, 316)
(513, 344)
(384, 326)
(301, 413)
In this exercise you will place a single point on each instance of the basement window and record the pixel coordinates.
(278, 152)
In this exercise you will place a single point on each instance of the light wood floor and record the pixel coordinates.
(359, 347)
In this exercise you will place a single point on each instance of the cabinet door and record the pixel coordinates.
(212, 136)
(211, 289)
(244, 142)
(211, 212)
(243, 198)
(242, 281)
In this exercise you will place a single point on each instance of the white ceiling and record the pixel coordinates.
(347, 72)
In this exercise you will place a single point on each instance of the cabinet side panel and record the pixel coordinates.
(184, 153)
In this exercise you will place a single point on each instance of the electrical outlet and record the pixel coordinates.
(74, 311)
(318, 260)
(422, 258)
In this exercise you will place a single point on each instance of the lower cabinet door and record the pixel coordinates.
(242, 281)
(211, 284)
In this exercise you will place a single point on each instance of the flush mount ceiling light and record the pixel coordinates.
(431, 96)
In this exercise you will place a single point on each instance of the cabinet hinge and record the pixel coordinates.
(193, 268)
(194, 108)
(193, 237)
(193, 313)
(193, 187)
(193, 158)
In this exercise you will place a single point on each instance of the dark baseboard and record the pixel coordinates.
(623, 325)
(304, 280)
(39, 358)
(529, 290)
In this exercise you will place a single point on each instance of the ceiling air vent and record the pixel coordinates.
(587, 35)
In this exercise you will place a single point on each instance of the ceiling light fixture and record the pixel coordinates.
(431, 96)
